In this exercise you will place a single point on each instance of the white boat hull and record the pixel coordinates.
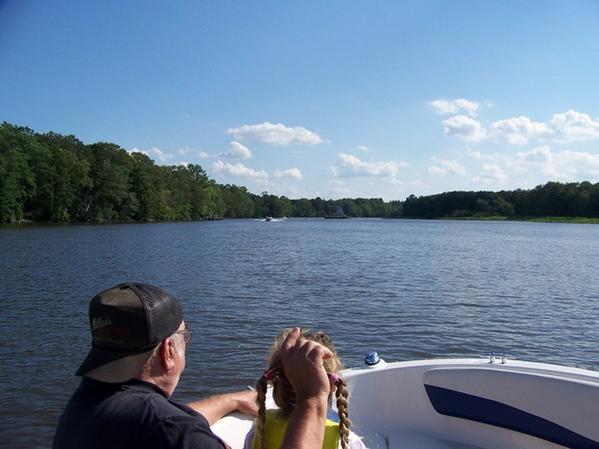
(466, 403)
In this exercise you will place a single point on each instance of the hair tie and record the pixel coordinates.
(335, 378)
(268, 375)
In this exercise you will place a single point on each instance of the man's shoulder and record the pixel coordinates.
(135, 415)
(156, 407)
(143, 402)
(177, 425)
(173, 423)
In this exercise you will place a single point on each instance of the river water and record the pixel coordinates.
(406, 288)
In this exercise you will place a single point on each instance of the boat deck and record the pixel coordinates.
(465, 404)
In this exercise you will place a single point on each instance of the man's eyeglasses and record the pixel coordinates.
(187, 334)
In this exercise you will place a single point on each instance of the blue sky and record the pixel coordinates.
(335, 99)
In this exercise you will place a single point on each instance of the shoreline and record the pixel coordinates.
(548, 219)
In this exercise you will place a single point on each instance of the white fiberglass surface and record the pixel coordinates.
(390, 409)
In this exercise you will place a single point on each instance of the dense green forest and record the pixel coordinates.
(56, 178)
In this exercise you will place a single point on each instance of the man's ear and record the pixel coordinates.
(167, 353)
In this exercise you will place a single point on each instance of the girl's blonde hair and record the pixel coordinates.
(283, 393)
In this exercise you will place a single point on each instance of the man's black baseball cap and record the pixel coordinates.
(127, 322)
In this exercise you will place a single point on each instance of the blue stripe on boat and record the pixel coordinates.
(462, 405)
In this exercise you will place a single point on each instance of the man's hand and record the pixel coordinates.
(215, 407)
(303, 364)
(246, 402)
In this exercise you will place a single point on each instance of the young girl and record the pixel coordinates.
(269, 429)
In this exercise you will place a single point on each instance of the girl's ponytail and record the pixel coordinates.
(342, 410)
(284, 395)
(261, 387)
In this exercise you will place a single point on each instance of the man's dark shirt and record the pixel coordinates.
(132, 415)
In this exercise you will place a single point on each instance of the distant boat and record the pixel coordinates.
(340, 214)
(268, 219)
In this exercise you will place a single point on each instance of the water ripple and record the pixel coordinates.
(408, 289)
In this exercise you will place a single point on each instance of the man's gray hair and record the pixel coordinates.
(177, 340)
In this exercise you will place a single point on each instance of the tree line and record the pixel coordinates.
(553, 199)
(56, 178)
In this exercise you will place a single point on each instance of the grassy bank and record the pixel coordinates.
(582, 220)
(579, 220)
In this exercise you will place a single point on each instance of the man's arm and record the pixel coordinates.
(306, 425)
(303, 364)
(215, 407)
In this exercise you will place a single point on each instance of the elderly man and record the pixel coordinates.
(137, 357)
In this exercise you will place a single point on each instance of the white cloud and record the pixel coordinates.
(285, 189)
(276, 134)
(518, 130)
(238, 151)
(564, 127)
(571, 126)
(203, 155)
(183, 150)
(445, 167)
(561, 164)
(154, 153)
(434, 170)
(349, 165)
(464, 127)
(539, 159)
(586, 162)
(491, 174)
(289, 173)
(362, 148)
(476, 154)
(455, 106)
(396, 182)
(578, 162)
(238, 169)
(538, 165)
(340, 189)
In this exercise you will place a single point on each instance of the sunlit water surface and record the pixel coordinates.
(408, 289)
